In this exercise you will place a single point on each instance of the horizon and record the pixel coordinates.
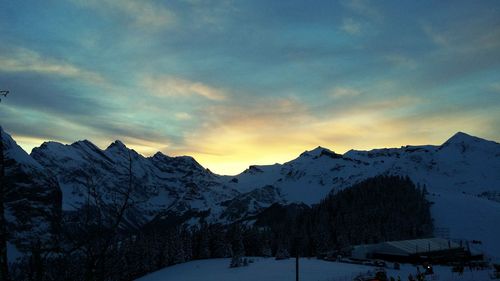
(235, 169)
(235, 84)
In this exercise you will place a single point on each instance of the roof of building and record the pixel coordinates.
(416, 246)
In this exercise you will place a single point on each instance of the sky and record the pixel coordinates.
(236, 83)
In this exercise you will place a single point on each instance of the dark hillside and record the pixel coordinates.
(378, 209)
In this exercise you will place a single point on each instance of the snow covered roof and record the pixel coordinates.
(408, 247)
(404, 247)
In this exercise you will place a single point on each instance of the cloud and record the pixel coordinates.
(259, 131)
(269, 129)
(265, 130)
(210, 15)
(351, 26)
(183, 116)
(470, 36)
(169, 86)
(277, 130)
(362, 15)
(32, 127)
(143, 13)
(269, 112)
(401, 61)
(343, 92)
(265, 52)
(436, 37)
(53, 94)
(461, 50)
(495, 87)
(363, 8)
(24, 60)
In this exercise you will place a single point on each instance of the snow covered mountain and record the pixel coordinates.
(161, 183)
(463, 163)
(462, 176)
(33, 198)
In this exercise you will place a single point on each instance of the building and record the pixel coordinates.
(435, 250)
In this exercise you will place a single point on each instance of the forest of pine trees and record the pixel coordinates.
(378, 209)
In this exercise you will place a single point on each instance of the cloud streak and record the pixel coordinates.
(146, 14)
(344, 92)
(170, 86)
(351, 26)
(363, 8)
(24, 60)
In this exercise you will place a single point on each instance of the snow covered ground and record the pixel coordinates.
(469, 217)
(269, 269)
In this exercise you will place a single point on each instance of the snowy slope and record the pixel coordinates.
(161, 183)
(272, 270)
(463, 163)
(468, 217)
(459, 172)
(307, 179)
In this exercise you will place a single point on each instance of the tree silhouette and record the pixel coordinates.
(93, 237)
(4, 93)
(4, 268)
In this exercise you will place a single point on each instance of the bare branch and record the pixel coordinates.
(4, 93)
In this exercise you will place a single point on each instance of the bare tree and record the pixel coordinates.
(95, 234)
(4, 267)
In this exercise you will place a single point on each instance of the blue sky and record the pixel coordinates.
(235, 83)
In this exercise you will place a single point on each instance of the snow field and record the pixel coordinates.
(269, 269)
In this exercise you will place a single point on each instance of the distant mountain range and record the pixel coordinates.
(462, 176)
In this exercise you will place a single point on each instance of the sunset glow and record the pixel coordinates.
(249, 82)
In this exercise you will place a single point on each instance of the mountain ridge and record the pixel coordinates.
(458, 137)
(455, 172)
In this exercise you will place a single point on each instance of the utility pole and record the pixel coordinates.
(297, 267)
(297, 253)
(4, 266)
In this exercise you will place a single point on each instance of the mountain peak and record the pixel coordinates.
(117, 144)
(320, 151)
(13, 151)
(314, 152)
(160, 156)
(462, 138)
(6, 137)
(49, 145)
(84, 143)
